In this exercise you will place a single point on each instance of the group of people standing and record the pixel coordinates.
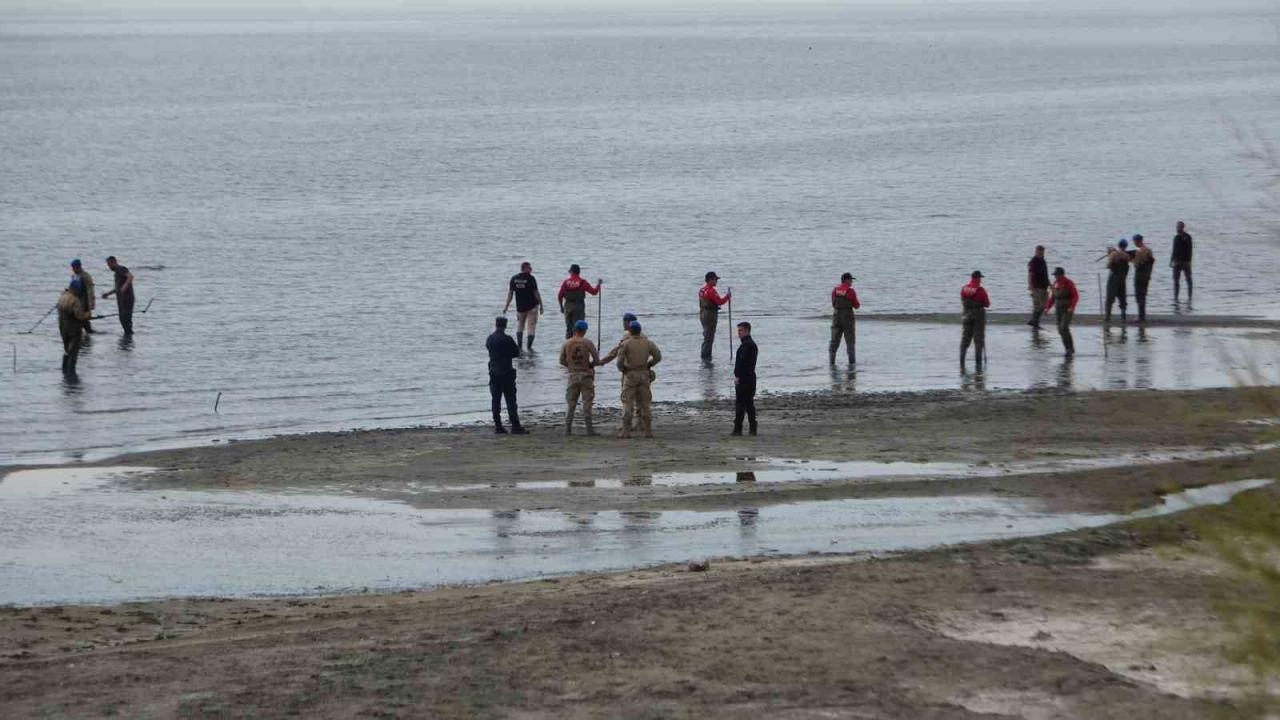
(1062, 295)
(77, 302)
(636, 354)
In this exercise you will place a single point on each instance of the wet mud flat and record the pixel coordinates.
(1099, 620)
(1105, 622)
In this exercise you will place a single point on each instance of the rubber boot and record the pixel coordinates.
(519, 339)
(833, 358)
(530, 341)
(591, 431)
(568, 422)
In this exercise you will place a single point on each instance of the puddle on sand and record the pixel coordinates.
(776, 470)
(104, 543)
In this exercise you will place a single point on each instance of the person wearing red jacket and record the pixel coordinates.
(1063, 298)
(843, 302)
(974, 300)
(573, 298)
(709, 302)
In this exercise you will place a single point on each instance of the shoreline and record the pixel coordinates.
(925, 633)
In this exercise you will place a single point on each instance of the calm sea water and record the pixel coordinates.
(325, 212)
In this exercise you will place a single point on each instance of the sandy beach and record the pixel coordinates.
(1106, 622)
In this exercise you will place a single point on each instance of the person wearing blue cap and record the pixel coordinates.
(1117, 278)
(636, 359)
(86, 292)
(627, 319)
(72, 317)
(579, 356)
(502, 377)
(1144, 261)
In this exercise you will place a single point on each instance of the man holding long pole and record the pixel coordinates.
(709, 302)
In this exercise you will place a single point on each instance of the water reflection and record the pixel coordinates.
(1066, 373)
(844, 380)
(709, 381)
(125, 343)
(974, 382)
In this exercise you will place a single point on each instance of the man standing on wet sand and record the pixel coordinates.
(579, 356)
(744, 380)
(709, 302)
(1180, 260)
(123, 292)
(72, 317)
(502, 377)
(87, 298)
(843, 302)
(974, 301)
(1143, 263)
(1038, 286)
(524, 288)
(627, 319)
(636, 359)
(573, 298)
(1063, 300)
(1118, 275)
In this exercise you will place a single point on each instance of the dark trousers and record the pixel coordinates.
(744, 403)
(974, 330)
(1116, 292)
(573, 312)
(504, 386)
(1141, 281)
(1180, 269)
(709, 321)
(124, 304)
(842, 329)
(72, 338)
(1064, 330)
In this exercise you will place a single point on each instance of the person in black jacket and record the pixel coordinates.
(1180, 260)
(744, 380)
(502, 377)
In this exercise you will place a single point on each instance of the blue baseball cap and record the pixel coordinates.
(1137, 237)
(635, 325)
(1124, 243)
(580, 325)
(75, 262)
(628, 317)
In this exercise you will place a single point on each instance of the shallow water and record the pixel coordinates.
(776, 470)
(78, 536)
(327, 221)
(99, 417)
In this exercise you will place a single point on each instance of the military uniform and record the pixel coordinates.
(87, 297)
(843, 302)
(636, 357)
(72, 318)
(1118, 267)
(1144, 262)
(610, 357)
(579, 356)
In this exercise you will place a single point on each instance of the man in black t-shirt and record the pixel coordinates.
(1037, 285)
(1180, 260)
(123, 292)
(524, 288)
